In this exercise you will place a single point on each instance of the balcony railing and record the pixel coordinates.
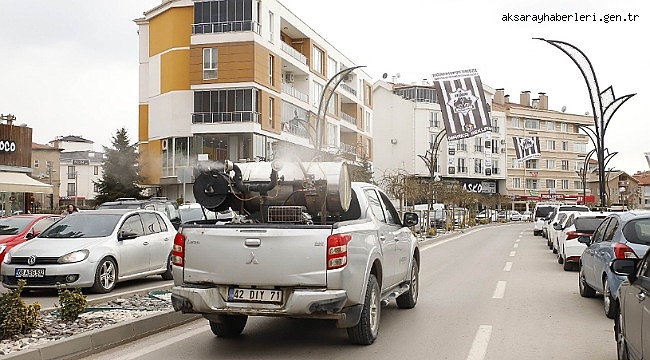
(348, 149)
(293, 52)
(292, 91)
(228, 26)
(348, 89)
(295, 129)
(225, 117)
(349, 118)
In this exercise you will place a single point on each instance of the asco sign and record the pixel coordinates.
(7, 146)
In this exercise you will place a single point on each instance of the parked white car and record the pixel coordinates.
(94, 249)
(579, 224)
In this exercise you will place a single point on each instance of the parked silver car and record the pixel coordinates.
(94, 249)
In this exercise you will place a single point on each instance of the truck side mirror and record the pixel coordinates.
(410, 219)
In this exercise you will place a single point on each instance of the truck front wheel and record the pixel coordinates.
(366, 330)
(229, 325)
(408, 299)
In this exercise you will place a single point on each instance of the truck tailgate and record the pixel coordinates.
(287, 255)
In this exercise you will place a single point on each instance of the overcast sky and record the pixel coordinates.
(71, 67)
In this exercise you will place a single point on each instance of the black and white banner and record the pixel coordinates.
(464, 109)
(527, 148)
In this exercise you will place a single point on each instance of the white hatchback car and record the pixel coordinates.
(578, 225)
(94, 249)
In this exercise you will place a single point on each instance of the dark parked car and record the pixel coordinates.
(632, 323)
(622, 235)
(162, 204)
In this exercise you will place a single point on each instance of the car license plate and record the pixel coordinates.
(254, 295)
(30, 273)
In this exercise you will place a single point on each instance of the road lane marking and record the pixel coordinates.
(480, 344)
(500, 290)
(508, 266)
(516, 246)
(518, 240)
(513, 253)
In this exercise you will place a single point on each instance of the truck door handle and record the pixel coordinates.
(382, 237)
(640, 296)
(253, 242)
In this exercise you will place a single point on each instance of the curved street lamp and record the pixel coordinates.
(603, 104)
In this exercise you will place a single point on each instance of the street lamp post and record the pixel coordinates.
(583, 175)
(603, 104)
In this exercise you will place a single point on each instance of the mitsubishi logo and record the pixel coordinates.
(252, 259)
(31, 260)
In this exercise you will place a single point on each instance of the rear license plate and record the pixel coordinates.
(30, 273)
(254, 295)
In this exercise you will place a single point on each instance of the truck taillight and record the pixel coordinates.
(178, 251)
(337, 250)
(623, 251)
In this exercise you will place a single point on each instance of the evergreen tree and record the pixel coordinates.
(121, 170)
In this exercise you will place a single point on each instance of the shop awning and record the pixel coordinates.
(20, 182)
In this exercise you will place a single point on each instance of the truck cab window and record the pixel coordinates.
(375, 204)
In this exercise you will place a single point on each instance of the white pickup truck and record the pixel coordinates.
(320, 247)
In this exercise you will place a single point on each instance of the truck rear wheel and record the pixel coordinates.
(229, 326)
(408, 299)
(366, 330)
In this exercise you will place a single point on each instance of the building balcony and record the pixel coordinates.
(349, 118)
(348, 149)
(293, 52)
(225, 117)
(296, 129)
(348, 89)
(224, 27)
(292, 91)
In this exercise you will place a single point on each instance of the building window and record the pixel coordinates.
(95, 170)
(271, 107)
(550, 144)
(367, 95)
(495, 166)
(550, 183)
(532, 184)
(72, 172)
(564, 184)
(580, 148)
(332, 66)
(431, 119)
(516, 123)
(478, 166)
(462, 169)
(227, 105)
(72, 189)
(565, 146)
(564, 127)
(550, 126)
(318, 92)
(332, 135)
(478, 144)
(531, 124)
(516, 164)
(532, 164)
(495, 125)
(565, 164)
(226, 16)
(271, 69)
(317, 60)
(516, 183)
(550, 164)
(462, 145)
(209, 63)
(95, 187)
(332, 106)
(35, 163)
(271, 26)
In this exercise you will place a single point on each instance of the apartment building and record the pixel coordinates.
(407, 135)
(241, 80)
(563, 147)
(45, 168)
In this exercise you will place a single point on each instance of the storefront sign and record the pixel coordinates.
(81, 162)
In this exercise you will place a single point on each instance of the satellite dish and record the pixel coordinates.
(384, 76)
(563, 108)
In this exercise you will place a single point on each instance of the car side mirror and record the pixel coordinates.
(125, 235)
(410, 219)
(557, 226)
(29, 236)
(584, 239)
(624, 267)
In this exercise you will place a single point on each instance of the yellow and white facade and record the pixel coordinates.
(240, 80)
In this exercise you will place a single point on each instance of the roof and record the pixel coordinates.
(643, 178)
(91, 156)
(37, 146)
(73, 138)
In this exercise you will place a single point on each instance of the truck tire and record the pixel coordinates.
(408, 299)
(229, 326)
(366, 330)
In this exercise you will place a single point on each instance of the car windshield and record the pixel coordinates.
(83, 225)
(543, 211)
(13, 225)
(638, 231)
(588, 224)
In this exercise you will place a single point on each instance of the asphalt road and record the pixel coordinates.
(492, 292)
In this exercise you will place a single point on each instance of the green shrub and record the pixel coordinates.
(449, 227)
(71, 303)
(484, 221)
(432, 231)
(15, 316)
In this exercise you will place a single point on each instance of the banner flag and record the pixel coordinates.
(527, 148)
(462, 100)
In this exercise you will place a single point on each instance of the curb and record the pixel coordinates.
(92, 342)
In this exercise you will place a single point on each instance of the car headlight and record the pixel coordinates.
(7, 259)
(73, 257)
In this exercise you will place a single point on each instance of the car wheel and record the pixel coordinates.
(366, 330)
(567, 266)
(167, 275)
(105, 276)
(585, 289)
(560, 259)
(229, 325)
(608, 300)
(408, 299)
(621, 344)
